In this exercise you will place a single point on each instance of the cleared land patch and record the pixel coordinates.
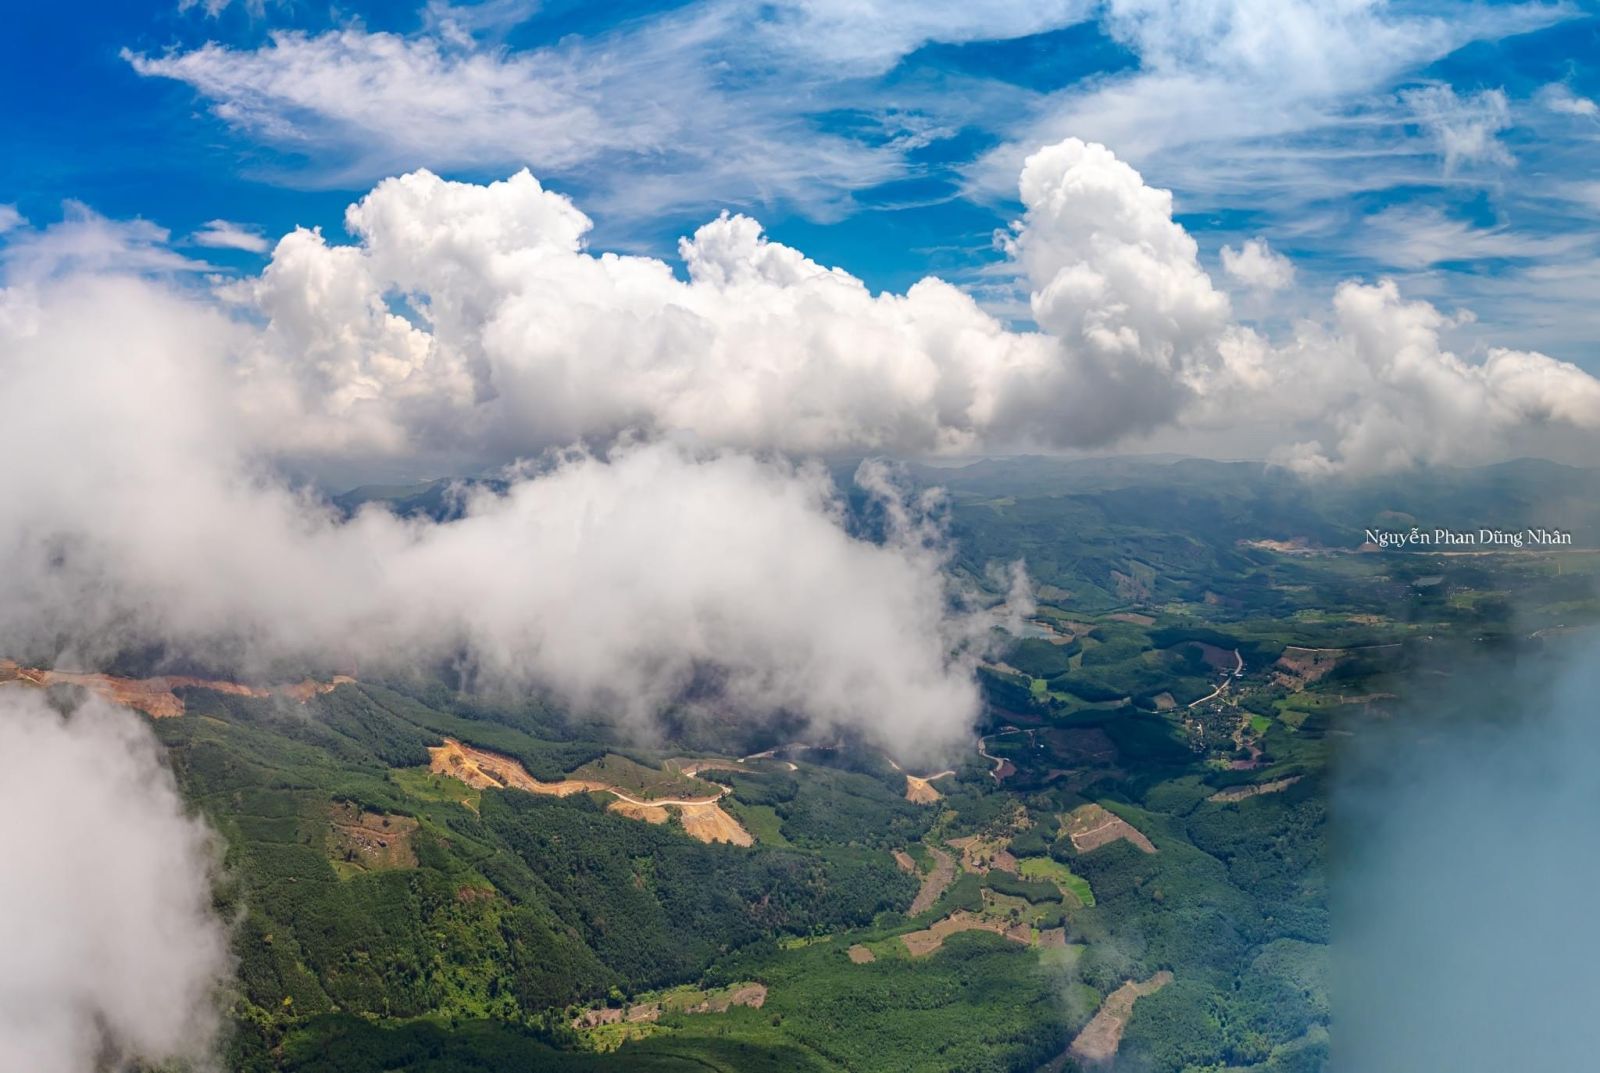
(1240, 793)
(483, 770)
(154, 696)
(1059, 874)
(934, 883)
(370, 840)
(979, 855)
(920, 791)
(637, 780)
(647, 813)
(709, 822)
(1098, 1041)
(425, 784)
(924, 942)
(702, 817)
(860, 955)
(1090, 827)
(607, 1028)
(1299, 667)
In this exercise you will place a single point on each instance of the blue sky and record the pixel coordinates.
(1452, 146)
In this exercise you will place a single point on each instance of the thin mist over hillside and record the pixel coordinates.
(1464, 922)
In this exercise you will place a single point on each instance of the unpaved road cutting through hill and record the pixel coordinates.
(703, 818)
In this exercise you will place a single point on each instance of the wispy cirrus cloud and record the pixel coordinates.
(722, 101)
(1463, 126)
(227, 235)
(1219, 75)
(1560, 99)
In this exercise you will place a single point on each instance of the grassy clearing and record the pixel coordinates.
(762, 821)
(632, 777)
(425, 785)
(799, 942)
(1260, 723)
(1059, 874)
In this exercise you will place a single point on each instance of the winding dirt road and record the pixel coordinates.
(1227, 676)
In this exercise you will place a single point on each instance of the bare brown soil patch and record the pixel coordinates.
(924, 942)
(711, 823)
(935, 882)
(905, 862)
(154, 696)
(1134, 617)
(920, 791)
(371, 839)
(483, 770)
(860, 955)
(1240, 793)
(1098, 1042)
(647, 813)
(1090, 827)
(1165, 702)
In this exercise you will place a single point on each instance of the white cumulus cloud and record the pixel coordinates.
(1257, 266)
(1560, 99)
(616, 582)
(473, 320)
(99, 972)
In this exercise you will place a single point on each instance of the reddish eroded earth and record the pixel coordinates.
(155, 696)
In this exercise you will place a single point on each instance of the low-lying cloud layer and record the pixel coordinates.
(1463, 906)
(614, 581)
(112, 952)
